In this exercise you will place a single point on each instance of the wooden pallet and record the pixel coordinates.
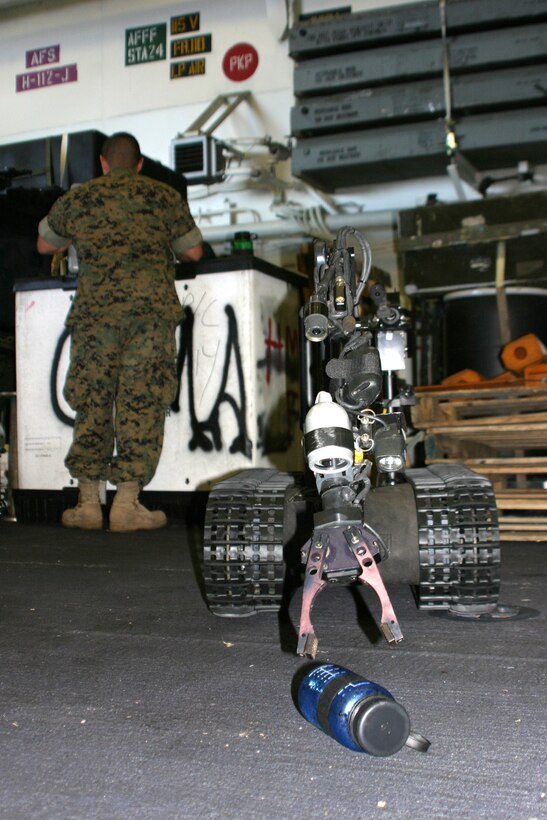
(493, 430)
(481, 422)
(503, 472)
(522, 528)
(520, 516)
(438, 404)
(528, 524)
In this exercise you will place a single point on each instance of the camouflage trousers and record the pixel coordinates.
(121, 379)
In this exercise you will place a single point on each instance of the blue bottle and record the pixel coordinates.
(356, 712)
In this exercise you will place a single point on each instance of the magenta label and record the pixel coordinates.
(42, 56)
(46, 77)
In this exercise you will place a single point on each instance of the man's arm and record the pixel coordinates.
(186, 238)
(44, 247)
(48, 241)
(191, 254)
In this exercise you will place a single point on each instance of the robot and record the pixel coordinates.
(358, 514)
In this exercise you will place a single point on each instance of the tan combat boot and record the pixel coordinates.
(87, 514)
(127, 515)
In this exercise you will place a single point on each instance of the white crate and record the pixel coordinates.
(242, 377)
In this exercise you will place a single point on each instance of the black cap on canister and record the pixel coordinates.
(380, 726)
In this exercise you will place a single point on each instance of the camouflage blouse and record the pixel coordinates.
(125, 228)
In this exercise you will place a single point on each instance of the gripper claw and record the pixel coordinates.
(370, 575)
(313, 584)
(392, 632)
(307, 645)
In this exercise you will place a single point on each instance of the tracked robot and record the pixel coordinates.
(358, 514)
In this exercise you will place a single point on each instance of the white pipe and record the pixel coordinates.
(287, 227)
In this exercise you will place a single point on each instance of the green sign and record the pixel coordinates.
(145, 44)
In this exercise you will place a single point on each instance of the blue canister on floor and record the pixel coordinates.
(356, 712)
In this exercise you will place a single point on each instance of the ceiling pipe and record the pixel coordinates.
(280, 228)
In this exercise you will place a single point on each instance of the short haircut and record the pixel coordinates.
(121, 150)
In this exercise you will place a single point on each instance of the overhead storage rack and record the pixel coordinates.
(405, 22)
(417, 150)
(512, 87)
(378, 92)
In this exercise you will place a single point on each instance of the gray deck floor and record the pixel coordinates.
(123, 697)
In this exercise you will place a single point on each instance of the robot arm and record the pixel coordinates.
(346, 433)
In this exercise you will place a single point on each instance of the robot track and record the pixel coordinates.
(440, 525)
(244, 540)
(458, 538)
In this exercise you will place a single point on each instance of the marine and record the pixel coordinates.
(127, 230)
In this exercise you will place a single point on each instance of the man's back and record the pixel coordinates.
(122, 226)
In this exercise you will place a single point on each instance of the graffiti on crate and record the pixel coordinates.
(54, 379)
(206, 434)
(211, 425)
(281, 351)
(278, 425)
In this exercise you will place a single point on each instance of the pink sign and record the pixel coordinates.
(42, 56)
(46, 77)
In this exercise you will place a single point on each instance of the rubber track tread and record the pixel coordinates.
(458, 536)
(243, 560)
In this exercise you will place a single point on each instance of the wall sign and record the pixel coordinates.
(189, 68)
(240, 62)
(42, 56)
(188, 46)
(48, 74)
(185, 24)
(146, 44)
(46, 77)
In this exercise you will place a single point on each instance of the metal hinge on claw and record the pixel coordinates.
(315, 581)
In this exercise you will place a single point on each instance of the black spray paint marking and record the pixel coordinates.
(242, 442)
(57, 409)
(199, 439)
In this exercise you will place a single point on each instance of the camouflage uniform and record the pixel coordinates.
(124, 227)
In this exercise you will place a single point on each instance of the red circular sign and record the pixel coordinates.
(240, 62)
